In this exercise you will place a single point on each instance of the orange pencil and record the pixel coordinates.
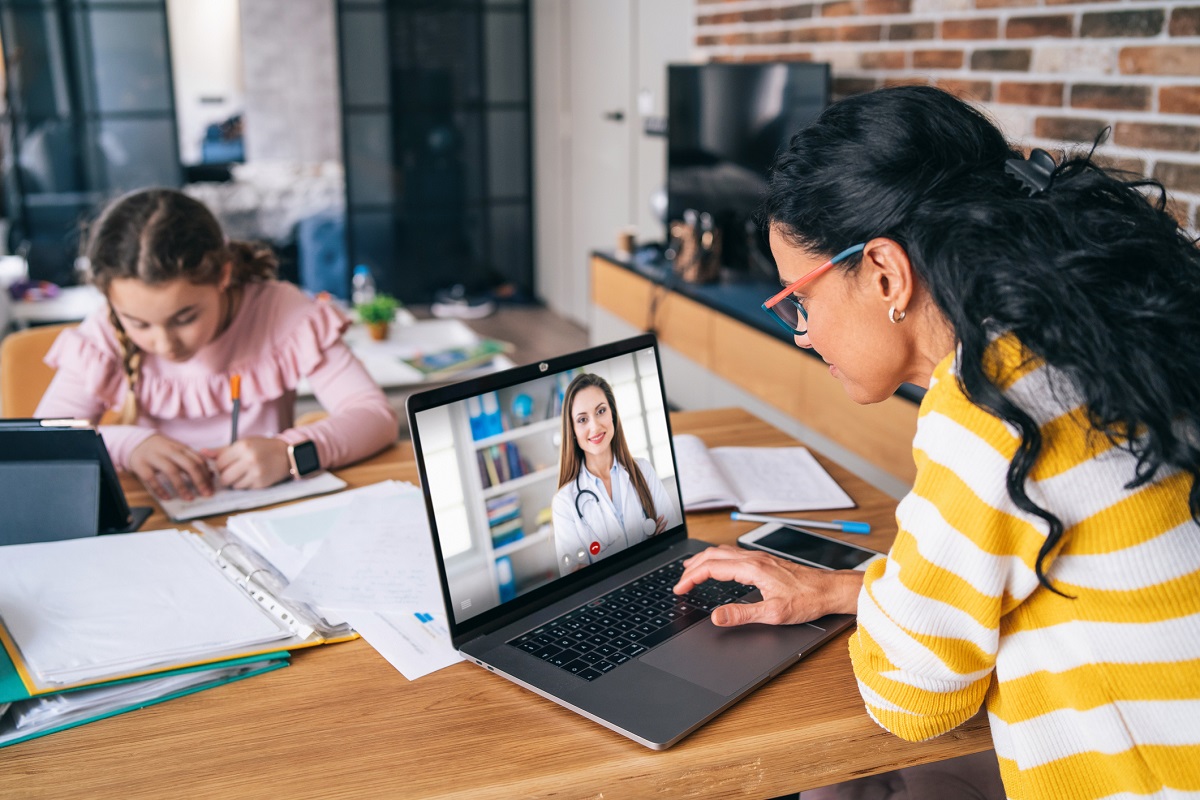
(235, 394)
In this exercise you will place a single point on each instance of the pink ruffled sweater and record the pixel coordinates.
(278, 336)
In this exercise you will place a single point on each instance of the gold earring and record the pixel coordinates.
(894, 317)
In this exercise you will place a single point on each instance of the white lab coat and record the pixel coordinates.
(579, 542)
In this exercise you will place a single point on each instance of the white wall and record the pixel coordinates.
(665, 35)
(291, 80)
(661, 32)
(206, 64)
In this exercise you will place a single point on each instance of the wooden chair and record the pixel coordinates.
(24, 378)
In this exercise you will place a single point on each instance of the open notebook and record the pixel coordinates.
(754, 479)
(79, 612)
(224, 501)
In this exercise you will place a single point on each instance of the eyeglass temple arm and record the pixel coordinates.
(791, 287)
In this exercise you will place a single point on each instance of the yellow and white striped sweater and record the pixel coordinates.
(1092, 697)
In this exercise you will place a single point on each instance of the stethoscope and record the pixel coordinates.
(648, 524)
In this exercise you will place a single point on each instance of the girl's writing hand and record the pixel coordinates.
(171, 469)
(792, 593)
(254, 462)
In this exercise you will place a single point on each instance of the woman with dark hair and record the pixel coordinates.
(1048, 556)
(607, 500)
(189, 315)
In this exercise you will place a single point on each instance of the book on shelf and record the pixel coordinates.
(507, 532)
(498, 458)
(516, 465)
(500, 463)
(504, 519)
(503, 508)
(754, 479)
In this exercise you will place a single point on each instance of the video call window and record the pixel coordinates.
(504, 523)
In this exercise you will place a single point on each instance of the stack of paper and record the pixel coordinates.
(80, 611)
(98, 626)
(39, 716)
(366, 557)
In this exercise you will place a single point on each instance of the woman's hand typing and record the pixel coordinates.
(792, 593)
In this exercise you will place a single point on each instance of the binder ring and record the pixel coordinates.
(250, 577)
(227, 544)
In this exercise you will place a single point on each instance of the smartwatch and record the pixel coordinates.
(303, 459)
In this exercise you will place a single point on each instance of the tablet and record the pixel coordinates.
(58, 482)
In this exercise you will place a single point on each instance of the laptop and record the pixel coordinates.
(593, 628)
(58, 482)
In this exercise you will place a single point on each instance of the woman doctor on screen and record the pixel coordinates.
(606, 501)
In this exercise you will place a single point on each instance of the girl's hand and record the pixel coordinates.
(171, 469)
(792, 593)
(251, 463)
(660, 524)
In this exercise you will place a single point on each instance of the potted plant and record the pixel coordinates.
(377, 313)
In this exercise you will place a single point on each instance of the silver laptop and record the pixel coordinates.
(539, 585)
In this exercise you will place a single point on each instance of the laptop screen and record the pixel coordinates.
(545, 472)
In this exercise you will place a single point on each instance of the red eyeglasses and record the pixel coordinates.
(792, 314)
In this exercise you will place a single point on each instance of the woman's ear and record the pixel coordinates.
(890, 273)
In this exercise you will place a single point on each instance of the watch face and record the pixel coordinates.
(305, 457)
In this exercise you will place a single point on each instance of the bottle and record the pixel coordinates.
(362, 285)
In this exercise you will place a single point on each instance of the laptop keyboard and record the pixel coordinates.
(600, 636)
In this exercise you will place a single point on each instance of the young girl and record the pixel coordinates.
(1047, 563)
(186, 312)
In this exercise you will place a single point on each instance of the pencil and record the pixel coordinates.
(235, 394)
(845, 526)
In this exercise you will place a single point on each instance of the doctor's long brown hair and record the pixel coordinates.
(572, 455)
(156, 236)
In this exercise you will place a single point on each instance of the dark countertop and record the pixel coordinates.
(736, 294)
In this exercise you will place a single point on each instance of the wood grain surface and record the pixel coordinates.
(341, 722)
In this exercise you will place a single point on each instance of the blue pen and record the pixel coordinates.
(845, 526)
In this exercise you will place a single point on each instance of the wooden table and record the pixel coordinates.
(341, 722)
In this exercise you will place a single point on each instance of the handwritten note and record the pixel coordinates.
(378, 557)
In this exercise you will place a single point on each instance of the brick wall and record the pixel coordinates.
(1049, 72)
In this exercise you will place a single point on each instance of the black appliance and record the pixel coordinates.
(726, 123)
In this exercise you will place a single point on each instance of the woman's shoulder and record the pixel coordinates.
(645, 466)
(563, 498)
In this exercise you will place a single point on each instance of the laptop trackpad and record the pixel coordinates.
(724, 660)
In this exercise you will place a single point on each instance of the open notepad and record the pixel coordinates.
(79, 612)
(224, 501)
(754, 479)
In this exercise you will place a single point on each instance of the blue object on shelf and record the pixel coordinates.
(505, 581)
(522, 408)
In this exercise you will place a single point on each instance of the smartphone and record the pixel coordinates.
(808, 548)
